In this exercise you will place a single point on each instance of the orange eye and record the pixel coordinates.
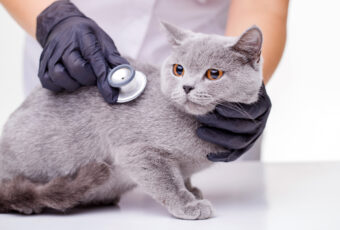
(178, 70)
(214, 74)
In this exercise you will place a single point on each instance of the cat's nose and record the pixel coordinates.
(187, 88)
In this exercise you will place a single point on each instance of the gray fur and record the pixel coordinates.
(149, 142)
(24, 195)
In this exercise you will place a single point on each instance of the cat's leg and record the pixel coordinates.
(110, 192)
(159, 176)
(194, 190)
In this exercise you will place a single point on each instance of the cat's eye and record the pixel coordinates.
(214, 74)
(178, 70)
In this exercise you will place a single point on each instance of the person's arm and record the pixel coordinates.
(26, 12)
(271, 17)
(76, 51)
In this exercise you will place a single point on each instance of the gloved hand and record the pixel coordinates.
(235, 126)
(76, 51)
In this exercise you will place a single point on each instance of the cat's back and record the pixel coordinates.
(84, 104)
(49, 127)
(47, 113)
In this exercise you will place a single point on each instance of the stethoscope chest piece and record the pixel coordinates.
(130, 82)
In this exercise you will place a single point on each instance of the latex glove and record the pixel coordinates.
(76, 51)
(235, 126)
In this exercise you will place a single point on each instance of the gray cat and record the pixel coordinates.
(63, 150)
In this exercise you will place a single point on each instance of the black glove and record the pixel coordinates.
(235, 126)
(76, 51)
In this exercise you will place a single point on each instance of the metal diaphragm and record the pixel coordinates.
(131, 83)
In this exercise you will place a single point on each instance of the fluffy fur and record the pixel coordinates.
(26, 196)
(67, 149)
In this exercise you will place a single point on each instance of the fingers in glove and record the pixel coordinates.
(230, 155)
(47, 83)
(54, 51)
(234, 125)
(60, 77)
(49, 53)
(90, 50)
(115, 60)
(221, 156)
(110, 51)
(226, 156)
(44, 58)
(78, 68)
(224, 138)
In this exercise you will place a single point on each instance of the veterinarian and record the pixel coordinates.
(76, 42)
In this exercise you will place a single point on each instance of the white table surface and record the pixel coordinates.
(245, 195)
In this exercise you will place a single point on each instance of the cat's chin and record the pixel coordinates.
(196, 109)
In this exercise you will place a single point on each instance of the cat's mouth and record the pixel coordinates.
(195, 108)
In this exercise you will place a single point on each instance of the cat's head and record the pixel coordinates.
(204, 70)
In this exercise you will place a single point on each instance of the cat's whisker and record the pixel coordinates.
(237, 108)
(177, 97)
(232, 107)
(237, 105)
(201, 98)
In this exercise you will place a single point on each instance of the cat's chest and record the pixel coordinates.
(175, 131)
(153, 120)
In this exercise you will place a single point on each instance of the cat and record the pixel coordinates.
(62, 150)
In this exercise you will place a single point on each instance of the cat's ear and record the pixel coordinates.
(175, 34)
(250, 43)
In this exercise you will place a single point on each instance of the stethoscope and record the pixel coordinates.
(131, 83)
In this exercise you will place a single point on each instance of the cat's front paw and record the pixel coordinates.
(195, 210)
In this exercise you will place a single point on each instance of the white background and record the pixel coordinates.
(304, 124)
